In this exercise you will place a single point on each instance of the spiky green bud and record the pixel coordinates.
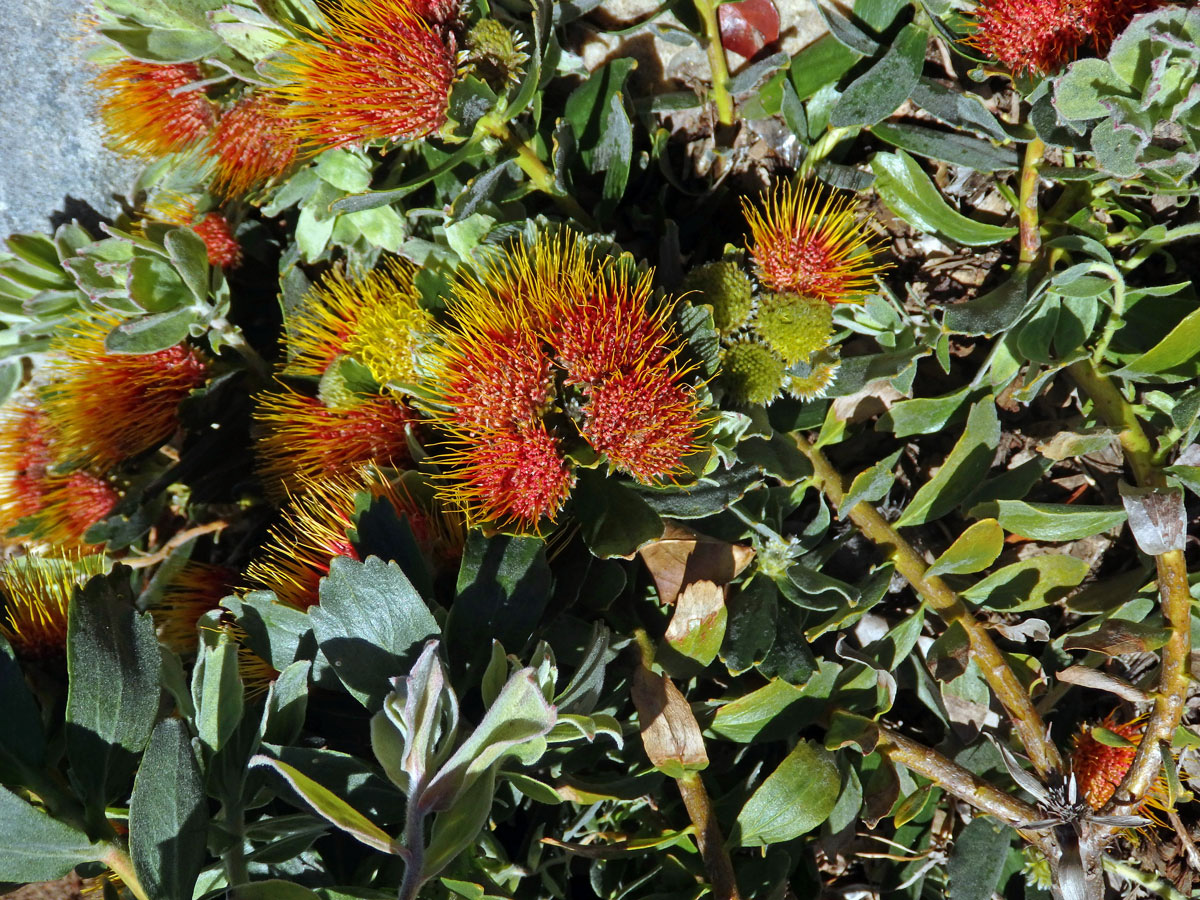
(794, 325)
(495, 53)
(728, 289)
(809, 379)
(751, 373)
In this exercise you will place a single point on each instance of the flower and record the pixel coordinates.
(382, 72)
(24, 458)
(149, 110)
(376, 318)
(249, 146)
(729, 291)
(36, 595)
(810, 242)
(138, 394)
(194, 590)
(513, 478)
(751, 373)
(1098, 768)
(793, 325)
(71, 504)
(301, 438)
(223, 248)
(644, 420)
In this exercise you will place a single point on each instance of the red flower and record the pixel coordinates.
(381, 72)
(24, 458)
(303, 439)
(147, 109)
(1099, 768)
(644, 420)
(71, 504)
(250, 146)
(223, 248)
(810, 242)
(106, 407)
(512, 479)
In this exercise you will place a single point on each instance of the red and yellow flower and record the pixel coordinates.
(150, 110)
(1099, 767)
(195, 589)
(25, 457)
(808, 241)
(250, 146)
(36, 594)
(381, 72)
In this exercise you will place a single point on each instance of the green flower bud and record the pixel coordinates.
(809, 379)
(793, 325)
(728, 289)
(495, 53)
(751, 373)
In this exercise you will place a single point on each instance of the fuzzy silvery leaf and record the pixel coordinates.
(1157, 518)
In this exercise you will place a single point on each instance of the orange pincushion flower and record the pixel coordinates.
(376, 318)
(806, 241)
(194, 590)
(35, 594)
(223, 249)
(301, 438)
(1099, 768)
(106, 407)
(644, 420)
(71, 504)
(512, 479)
(147, 109)
(381, 72)
(250, 146)
(24, 458)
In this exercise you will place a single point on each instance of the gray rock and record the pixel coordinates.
(53, 163)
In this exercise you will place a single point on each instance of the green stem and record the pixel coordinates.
(232, 335)
(531, 164)
(1115, 315)
(716, 60)
(234, 857)
(708, 837)
(1027, 211)
(824, 145)
(118, 860)
(1114, 409)
(1027, 723)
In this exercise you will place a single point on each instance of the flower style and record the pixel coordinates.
(810, 242)
(1099, 768)
(139, 393)
(249, 146)
(194, 590)
(148, 109)
(36, 593)
(382, 72)
(301, 438)
(377, 319)
(25, 456)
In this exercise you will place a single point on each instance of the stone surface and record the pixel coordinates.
(53, 163)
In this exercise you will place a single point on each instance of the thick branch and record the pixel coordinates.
(1027, 723)
(1027, 213)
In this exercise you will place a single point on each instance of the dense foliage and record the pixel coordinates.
(476, 468)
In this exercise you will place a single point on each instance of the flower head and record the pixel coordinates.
(806, 241)
(194, 590)
(25, 456)
(793, 325)
(512, 479)
(250, 146)
(223, 248)
(381, 72)
(724, 286)
(36, 593)
(149, 110)
(1098, 767)
(105, 407)
(300, 438)
(751, 373)
(377, 319)
(71, 504)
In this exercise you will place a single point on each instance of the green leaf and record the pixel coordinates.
(217, 692)
(22, 741)
(922, 415)
(330, 806)
(35, 847)
(794, 799)
(870, 485)
(1178, 352)
(613, 519)
(168, 815)
(165, 45)
(697, 626)
(822, 62)
(962, 471)
(742, 720)
(957, 109)
(977, 859)
(112, 699)
(710, 494)
(1030, 584)
(368, 623)
(847, 33)
(603, 133)
(948, 146)
(973, 551)
(909, 193)
(457, 828)
(750, 630)
(997, 310)
(503, 586)
(345, 170)
(1057, 521)
(149, 334)
(155, 286)
(1080, 92)
(879, 91)
(270, 889)
(190, 257)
